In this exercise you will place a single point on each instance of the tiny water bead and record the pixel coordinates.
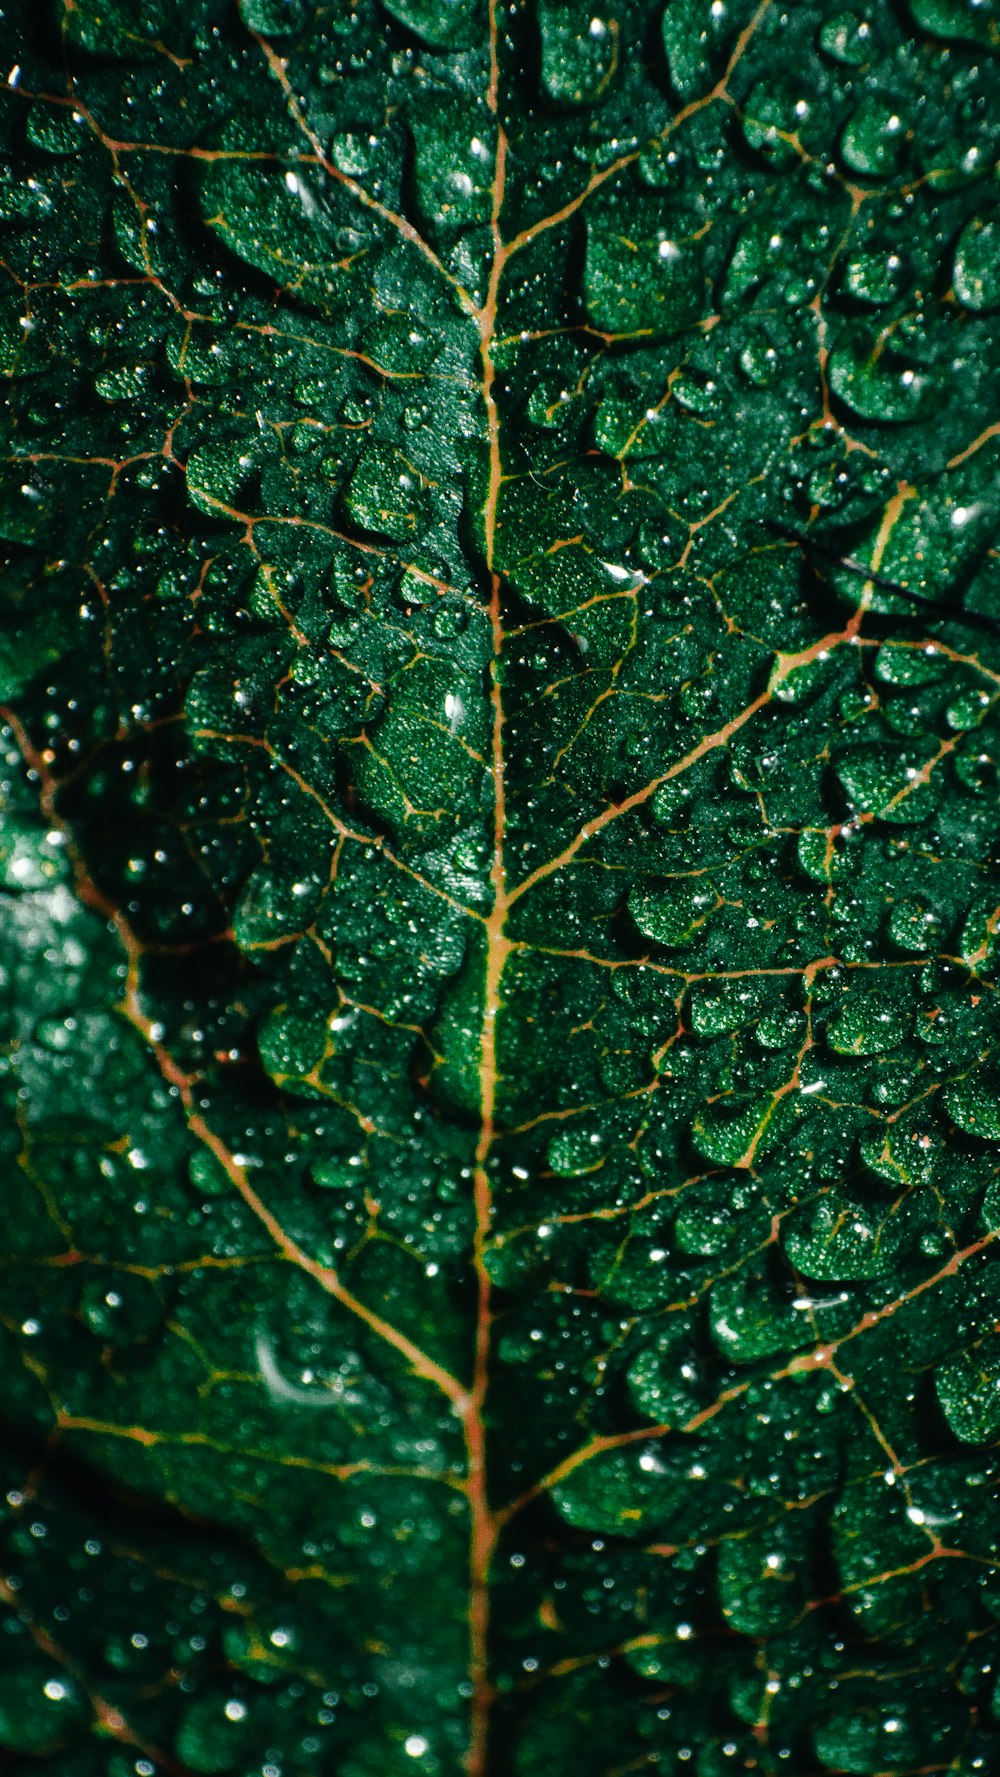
(847, 37)
(42, 1709)
(874, 139)
(977, 264)
(215, 1737)
(579, 52)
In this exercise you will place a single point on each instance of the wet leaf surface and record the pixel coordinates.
(500, 888)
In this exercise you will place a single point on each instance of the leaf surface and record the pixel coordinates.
(500, 888)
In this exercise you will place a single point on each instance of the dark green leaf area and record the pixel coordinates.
(499, 888)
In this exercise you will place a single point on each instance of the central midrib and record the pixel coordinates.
(484, 1527)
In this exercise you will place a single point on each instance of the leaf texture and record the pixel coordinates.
(500, 888)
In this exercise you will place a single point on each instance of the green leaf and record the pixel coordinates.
(499, 888)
